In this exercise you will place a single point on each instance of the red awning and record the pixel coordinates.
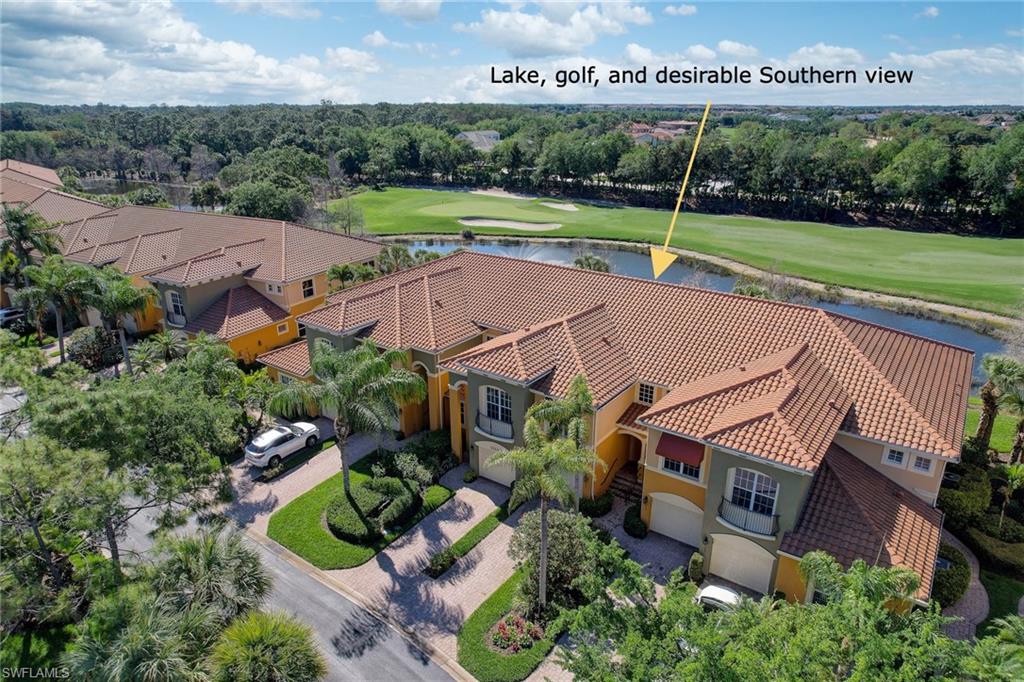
(680, 449)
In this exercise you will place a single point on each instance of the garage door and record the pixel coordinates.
(742, 561)
(501, 473)
(677, 518)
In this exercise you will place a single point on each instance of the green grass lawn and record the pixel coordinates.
(975, 272)
(474, 537)
(1003, 430)
(1004, 593)
(483, 662)
(299, 524)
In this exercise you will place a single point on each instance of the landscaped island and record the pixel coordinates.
(974, 272)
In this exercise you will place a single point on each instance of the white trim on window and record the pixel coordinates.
(282, 328)
(895, 458)
(310, 285)
(922, 465)
(680, 469)
(498, 404)
(753, 490)
(301, 329)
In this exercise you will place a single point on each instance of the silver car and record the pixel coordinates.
(270, 447)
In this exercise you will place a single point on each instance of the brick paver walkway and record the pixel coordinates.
(973, 606)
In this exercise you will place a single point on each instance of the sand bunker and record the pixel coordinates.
(502, 194)
(510, 224)
(560, 207)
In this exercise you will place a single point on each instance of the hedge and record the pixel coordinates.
(370, 509)
(951, 583)
(633, 524)
(964, 504)
(1006, 557)
(598, 506)
(483, 662)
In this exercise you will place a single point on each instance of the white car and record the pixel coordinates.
(270, 447)
(718, 597)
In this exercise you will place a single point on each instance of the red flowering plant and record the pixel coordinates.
(514, 633)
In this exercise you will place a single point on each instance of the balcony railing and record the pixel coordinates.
(748, 520)
(176, 320)
(494, 427)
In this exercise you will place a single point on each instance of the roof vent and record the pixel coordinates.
(743, 368)
(164, 256)
(437, 302)
(238, 263)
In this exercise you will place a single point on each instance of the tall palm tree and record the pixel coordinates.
(342, 274)
(569, 416)
(1013, 475)
(66, 285)
(267, 646)
(394, 257)
(1013, 402)
(213, 360)
(213, 569)
(170, 344)
(363, 387)
(873, 585)
(36, 303)
(116, 296)
(541, 467)
(1002, 371)
(589, 261)
(24, 233)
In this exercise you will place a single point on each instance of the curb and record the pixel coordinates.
(443, 660)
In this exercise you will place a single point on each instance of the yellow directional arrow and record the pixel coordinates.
(661, 258)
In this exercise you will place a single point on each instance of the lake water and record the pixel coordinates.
(177, 195)
(639, 265)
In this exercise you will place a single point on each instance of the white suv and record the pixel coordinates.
(270, 447)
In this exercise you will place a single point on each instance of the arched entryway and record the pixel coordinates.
(742, 561)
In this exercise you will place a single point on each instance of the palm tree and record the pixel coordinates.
(589, 261)
(541, 467)
(117, 296)
(211, 569)
(67, 286)
(568, 417)
(24, 233)
(213, 360)
(342, 274)
(36, 303)
(266, 646)
(1002, 371)
(363, 387)
(425, 256)
(145, 357)
(1013, 401)
(871, 585)
(170, 344)
(393, 258)
(1013, 474)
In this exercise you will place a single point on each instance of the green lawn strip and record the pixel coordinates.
(37, 649)
(467, 542)
(1004, 593)
(975, 272)
(1003, 431)
(483, 662)
(299, 527)
(295, 460)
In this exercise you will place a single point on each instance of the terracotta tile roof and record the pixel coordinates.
(228, 260)
(238, 311)
(287, 252)
(52, 205)
(15, 191)
(39, 175)
(292, 359)
(632, 413)
(674, 335)
(785, 407)
(549, 354)
(854, 512)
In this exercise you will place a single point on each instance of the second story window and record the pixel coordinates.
(282, 328)
(896, 458)
(645, 394)
(177, 305)
(307, 288)
(922, 465)
(754, 491)
(499, 405)
(681, 468)
(302, 330)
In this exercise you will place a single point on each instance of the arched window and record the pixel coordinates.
(754, 491)
(498, 405)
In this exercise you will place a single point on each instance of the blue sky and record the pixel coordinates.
(243, 51)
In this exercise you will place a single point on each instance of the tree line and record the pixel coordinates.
(906, 169)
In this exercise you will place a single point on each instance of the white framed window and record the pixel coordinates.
(308, 288)
(680, 468)
(176, 303)
(922, 465)
(302, 330)
(754, 491)
(270, 288)
(645, 394)
(282, 328)
(895, 458)
(499, 405)
(488, 337)
(285, 378)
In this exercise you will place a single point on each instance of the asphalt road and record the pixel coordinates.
(356, 645)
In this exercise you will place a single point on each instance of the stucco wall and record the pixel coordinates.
(788, 580)
(925, 486)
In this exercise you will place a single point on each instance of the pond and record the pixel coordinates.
(177, 194)
(639, 265)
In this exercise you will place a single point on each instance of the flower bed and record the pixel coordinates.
(513, 633)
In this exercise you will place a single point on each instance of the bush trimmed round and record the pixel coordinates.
(951, 583)
(353, 516)
(596, 507)
(402, 497)
(633, 524)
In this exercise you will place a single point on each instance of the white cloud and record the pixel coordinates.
(681, 10)
(378, 39)
(411, 10)
(984, 61)
(353, 61)
(928, 13)
(700, 53)
(639, 55)
(276, 8)
(826, 55)
(1015, 32)
(524, 34)
(735, 49)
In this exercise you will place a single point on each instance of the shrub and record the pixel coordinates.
(469, 476)
(467, 234)
(633, 524)
(598, 506)
(94, 348)
(410, 468)
(695, 569)
(570, 536)
(1006, 557)
(441, 562)
(433, 451)
(951, 583)
(1011, 530)
(513, 633)
(266, 646)
(352, 517)
(965, 504)
(973, 454)
(402, 501)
